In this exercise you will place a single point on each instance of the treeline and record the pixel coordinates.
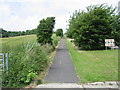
(5, 33)
(90, 28)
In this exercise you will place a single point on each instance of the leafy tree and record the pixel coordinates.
(3, 33)
(90, 29)
(45, 30)
(27, 32)
(59, 32)
(116, 31)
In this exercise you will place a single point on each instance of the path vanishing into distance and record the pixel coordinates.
(62, 69)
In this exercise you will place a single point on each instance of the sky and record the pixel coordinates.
(21, 15)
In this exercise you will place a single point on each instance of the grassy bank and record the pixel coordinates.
(98, 65)
(9, 44)
(27, 59)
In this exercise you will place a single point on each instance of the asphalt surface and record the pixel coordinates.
(62, 69)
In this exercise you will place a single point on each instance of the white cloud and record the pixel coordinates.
(31, 12)
(17, 23)
(4, 12)
(61, 22)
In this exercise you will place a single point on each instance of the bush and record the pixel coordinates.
(90, 29)
(25, 65)
(55, 40)
(59, 32)
(47, 48)
(27, 59)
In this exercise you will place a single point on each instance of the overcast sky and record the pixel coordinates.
(21, 15)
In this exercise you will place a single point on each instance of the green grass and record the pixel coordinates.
(97, 65)
(27, 59)
(8, 44)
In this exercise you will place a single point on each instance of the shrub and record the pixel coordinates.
(24, 65)
(55, 40)
(59, 32)
(47, 48)
(90, 29)
(27, 59)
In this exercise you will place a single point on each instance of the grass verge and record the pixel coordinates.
(27, 60)
(97, 65)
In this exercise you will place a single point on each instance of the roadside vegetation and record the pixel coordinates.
(88, 31)
(90, 28)
(45, 30)
(27, 59)
(59, 32)
(93, 66)
(29, 55)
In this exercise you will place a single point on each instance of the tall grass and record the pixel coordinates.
(27, 59)
(25, 65)
(55, 39)
(12, 43)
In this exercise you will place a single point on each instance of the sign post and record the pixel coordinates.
(109, 43)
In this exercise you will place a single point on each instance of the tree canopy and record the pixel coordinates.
(59, 32)
(90, 29)
(45, 30)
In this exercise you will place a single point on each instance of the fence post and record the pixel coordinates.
(6, 61)
(3, 61)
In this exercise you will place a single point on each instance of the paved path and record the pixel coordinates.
(62, 69)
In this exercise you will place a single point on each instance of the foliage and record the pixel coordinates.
(45, 30)
(21, 64)
(59, 32)
(31, 75)
(27, 59)
(95, 66)
(55, 40)
(116, 32)
(90, 29)
(5, 33)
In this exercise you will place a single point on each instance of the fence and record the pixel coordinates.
(3, 62)
(3, 65)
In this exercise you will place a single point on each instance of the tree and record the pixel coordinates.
(3, 33)
(59, 32)
(116, 31)
(45, 30)
(90, 29)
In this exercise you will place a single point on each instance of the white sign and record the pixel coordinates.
(109, 42)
